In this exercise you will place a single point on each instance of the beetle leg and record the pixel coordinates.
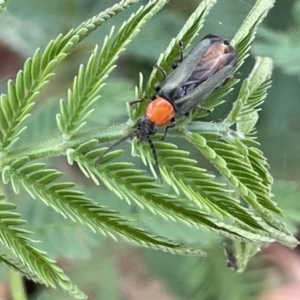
(174, 66)
(130, 136)
(199, 107)
(157, 86)
(236, 75)
(162, 71)
(140, 100)
(137, 101)
(232, 76)
(180, 59)
(164, 77)
(152, 97)
(155, 165)
(173, 123)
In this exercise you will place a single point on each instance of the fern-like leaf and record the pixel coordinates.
(16, 105)
(131, 184)
(10, 260)
(252, 93)
(245, 35)
(230, 157)
(181, 173)
(234, 167)
(238, 205)
(15, 239)
(90, 79)
(39, 182)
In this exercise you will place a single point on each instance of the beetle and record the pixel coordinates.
(219, 54)
(203, 70)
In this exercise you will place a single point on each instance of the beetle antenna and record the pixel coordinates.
(155, 165)
(124, 138)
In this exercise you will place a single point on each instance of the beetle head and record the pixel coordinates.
(145, 128)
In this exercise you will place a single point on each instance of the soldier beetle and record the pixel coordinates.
(203, 70)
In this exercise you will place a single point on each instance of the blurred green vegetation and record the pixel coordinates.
(92, 259)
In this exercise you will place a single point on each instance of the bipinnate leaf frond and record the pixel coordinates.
(13, 262)
(244, 116)
(252, 93)
(15, 107)
(231, 161)
(251, 169)
(181, 172)
(132, 185)
(245, 202)
(39, 266)
(41, 183)
(236, 203)
(234, 167)
(89, 80)
(245, 35)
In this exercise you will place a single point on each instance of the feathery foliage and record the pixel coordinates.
(17, 104)
(89, 80)
(238, 204)
(33, 262)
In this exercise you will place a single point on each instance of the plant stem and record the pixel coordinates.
(17, 291)
(58, 146)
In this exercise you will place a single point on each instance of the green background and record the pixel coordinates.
(108, 270)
